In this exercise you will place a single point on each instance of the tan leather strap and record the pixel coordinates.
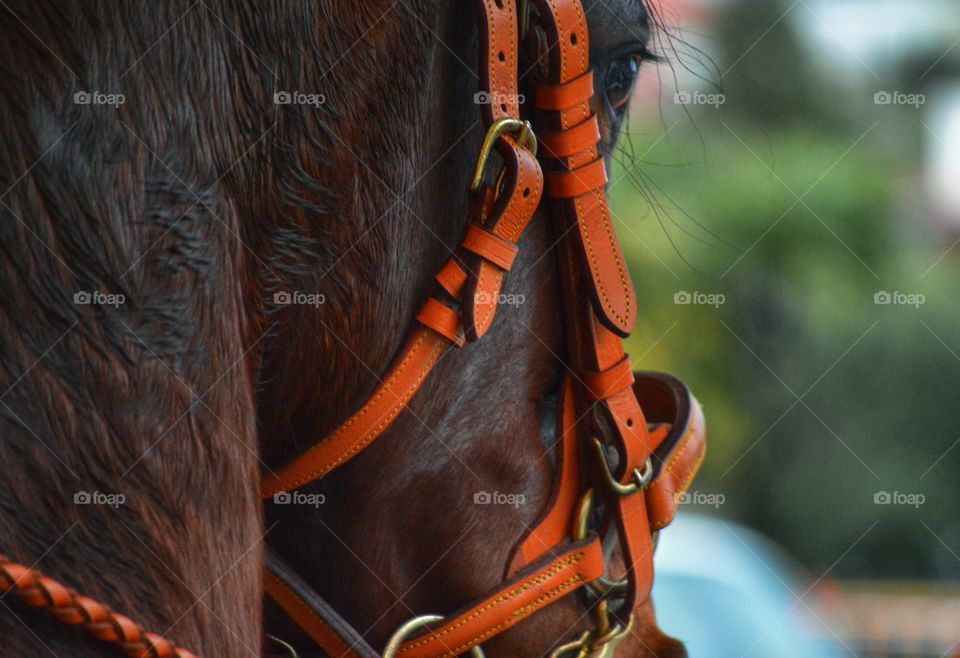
(534, 588)
(69, 607)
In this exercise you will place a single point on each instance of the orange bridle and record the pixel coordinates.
(649, 422)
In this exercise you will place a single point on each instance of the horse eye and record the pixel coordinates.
(619, 78)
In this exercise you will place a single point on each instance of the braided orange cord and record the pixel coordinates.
(69, 607)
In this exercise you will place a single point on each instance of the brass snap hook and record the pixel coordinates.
(641, 478)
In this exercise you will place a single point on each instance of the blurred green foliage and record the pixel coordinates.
(817, 398)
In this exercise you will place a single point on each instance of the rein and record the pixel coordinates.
(635, 456)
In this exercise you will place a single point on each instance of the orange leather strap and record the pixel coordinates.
(442, 319)
(606, 384)
(565, 102)
(478, 284)
(490, 247)
(565, 95)
(404, 379)
(499, 54)
(680, 452)
(576, 182)
(527, 593)
(567, 184)
(519, 197)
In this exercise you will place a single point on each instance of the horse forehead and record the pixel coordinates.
(617, 20)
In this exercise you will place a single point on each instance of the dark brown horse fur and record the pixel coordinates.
(198, 199)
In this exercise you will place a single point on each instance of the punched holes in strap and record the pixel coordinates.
(442, 319)
(574, 140)
(606, 384)
(490, 247)
(568, 184)
(564, 96)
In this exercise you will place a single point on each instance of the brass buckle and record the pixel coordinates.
(408, 627)
(641, 479)
(522, 130)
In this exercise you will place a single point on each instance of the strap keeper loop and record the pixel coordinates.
(571, 184)
(606, 384)
(442, 319)
(452, 278)
(566, 95)
(490, 247)
(568, 142)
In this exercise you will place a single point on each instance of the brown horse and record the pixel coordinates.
(160, 203)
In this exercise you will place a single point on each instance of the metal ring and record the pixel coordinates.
(604, 587)
(285, 645)
(408, 627)
(506, 126)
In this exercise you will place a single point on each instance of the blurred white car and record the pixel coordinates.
(728, 592)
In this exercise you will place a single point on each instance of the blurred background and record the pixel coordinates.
(788, 196)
